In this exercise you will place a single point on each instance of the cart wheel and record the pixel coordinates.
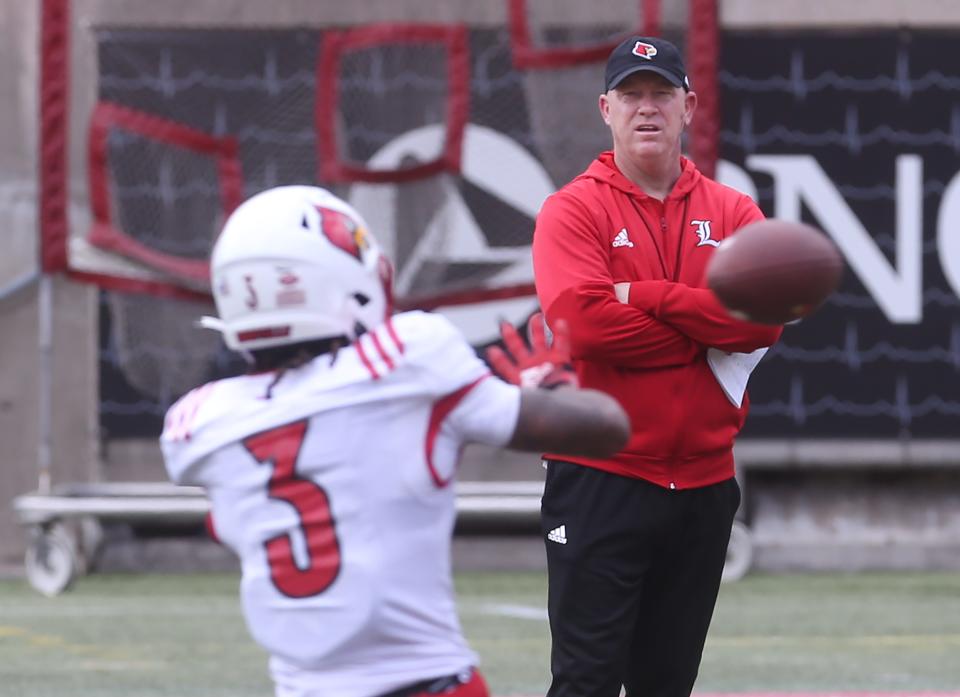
(89, 541)
(51, 560)
(739, 553)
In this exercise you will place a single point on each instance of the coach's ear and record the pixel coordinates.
(690, 101)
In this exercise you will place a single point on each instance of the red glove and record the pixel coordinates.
(542, 365)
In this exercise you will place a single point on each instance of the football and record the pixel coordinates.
(774, 271)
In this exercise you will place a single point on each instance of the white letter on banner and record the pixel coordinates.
(948, 233)
(898, 291)
(736, 177)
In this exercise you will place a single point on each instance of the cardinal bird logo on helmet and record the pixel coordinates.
(343, 231)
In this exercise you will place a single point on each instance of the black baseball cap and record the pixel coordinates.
(646, 53)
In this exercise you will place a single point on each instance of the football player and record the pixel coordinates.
(329, 466)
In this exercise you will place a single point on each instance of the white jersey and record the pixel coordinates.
(335, 492)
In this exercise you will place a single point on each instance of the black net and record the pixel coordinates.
(462, 228)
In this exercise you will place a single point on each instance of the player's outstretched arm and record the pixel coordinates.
(555, 415)
(570, 421)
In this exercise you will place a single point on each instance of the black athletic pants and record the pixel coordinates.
(634, 571)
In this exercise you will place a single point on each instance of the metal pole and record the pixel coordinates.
(45, 354)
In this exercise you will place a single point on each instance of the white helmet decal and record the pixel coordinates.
(293, 264)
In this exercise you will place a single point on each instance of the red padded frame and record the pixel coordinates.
(526, 55)
(465, 297)
(54, 104)
(125, 284)
(104, 234)
(336, 43)
(703, 50)
(703, 66)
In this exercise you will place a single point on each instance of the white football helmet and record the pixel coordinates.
(293, 264)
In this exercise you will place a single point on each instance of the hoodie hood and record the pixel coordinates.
(604, 169)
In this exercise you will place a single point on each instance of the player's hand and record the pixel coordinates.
(541, 365)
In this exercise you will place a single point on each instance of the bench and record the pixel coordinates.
(57, 553)
(65, 525)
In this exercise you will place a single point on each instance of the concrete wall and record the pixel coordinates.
(73, 408)
(846, 14)
(18, 262)
(74, 319)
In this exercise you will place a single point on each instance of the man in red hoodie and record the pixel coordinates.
(636, 543)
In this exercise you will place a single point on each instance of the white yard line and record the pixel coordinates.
(520, 612)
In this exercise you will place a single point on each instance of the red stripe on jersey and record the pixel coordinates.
(179, 421)
(393, 335)
(383, 354)
(199, 396)
(211, 527)
(363, 359)
(441, 408)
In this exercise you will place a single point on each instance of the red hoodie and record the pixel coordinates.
(650, 354)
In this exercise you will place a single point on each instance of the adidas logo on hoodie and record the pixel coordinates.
(621, 240)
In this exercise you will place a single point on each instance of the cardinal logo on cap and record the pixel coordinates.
(644, 50)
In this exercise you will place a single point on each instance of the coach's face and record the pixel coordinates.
(646, 115)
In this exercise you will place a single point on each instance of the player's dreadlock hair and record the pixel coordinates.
(292, 356)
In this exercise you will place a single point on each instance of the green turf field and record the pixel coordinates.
(182, 636)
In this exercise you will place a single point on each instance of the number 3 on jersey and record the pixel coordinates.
(280, 448)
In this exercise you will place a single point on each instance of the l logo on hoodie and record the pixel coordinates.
(703, 232)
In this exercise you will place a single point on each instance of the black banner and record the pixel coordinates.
(858, 134)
